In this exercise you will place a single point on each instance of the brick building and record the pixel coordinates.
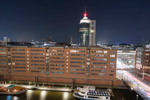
(143, 61)
(83, 65)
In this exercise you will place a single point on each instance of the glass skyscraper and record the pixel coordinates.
(87, 31)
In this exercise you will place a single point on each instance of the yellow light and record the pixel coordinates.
(65, 96)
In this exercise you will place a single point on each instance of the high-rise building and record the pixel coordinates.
(87, 31)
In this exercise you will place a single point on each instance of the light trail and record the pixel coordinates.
(134, 78)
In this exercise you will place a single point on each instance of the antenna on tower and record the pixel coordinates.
(85, 14)
(85, 8)
(71, 40)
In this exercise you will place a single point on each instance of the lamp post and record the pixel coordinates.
(137, 97)
(143, 74)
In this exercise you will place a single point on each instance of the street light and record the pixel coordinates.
(137, 97)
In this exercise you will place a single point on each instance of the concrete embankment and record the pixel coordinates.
(32, 87)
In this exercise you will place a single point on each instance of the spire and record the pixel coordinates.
(49, 38)
(85, 14)
(71, 40)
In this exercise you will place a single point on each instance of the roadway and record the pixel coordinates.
(135, 83)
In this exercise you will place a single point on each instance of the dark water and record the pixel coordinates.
(51, 95)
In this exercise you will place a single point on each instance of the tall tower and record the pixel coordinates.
(87, 31)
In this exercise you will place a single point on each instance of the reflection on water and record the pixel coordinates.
(51, 95)
(65, 96)
(43, 95)
(9, 97)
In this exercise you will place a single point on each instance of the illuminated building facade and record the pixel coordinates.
(87, 31)
(59, 65)
(143, 61)
(126, 59)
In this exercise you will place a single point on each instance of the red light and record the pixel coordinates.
(85, 14)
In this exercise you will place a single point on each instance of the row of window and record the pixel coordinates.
(53, 50)
(58, 65)
(77, 51)
(3, 59)
(77, 62)
(77, 69)
(36, 57)
(76, 65)
(37, 50)
(99, 51)
(19, 67)
(57, 58)
(57, 61)
(1, 56)
(56, 54)
(77, 55)
(3, 66)
(98, 66)
(100, 59)
(37, 53)
(99, 55)
(18, 49)
(37, 68)
(18, 56)
(37, 60)
(77, 58)
(3, 49)
(57, 68)
(19, 53)
(20, 64)
(98, 70)
(37, 64)
(20, 60)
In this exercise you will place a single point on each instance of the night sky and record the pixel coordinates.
(118, 21)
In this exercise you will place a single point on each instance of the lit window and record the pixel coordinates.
(112, 55)
(105, 51)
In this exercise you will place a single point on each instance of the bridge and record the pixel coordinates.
(137, 84)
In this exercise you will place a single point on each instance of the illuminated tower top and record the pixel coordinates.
(85, 18)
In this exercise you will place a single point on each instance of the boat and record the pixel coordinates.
(12, 90)
(90, 93)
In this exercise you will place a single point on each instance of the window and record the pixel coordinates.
(57, 68)
(75, 51)
(37, 60)
(37, 50)
(57, 61)
(59, 65)
(99, 63)
(112, 55)
(100, 74)
(2, 52)
(77, 62)
(77, 69)
(77, 54)
(2, 49)
(100, 59)
(112, 63)
(98, 66)
(18, 49)
(111, 74)
(76, 73)
(112, 67)
(19, 53)
(37, 53)
(55, 72)
(76, 65)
